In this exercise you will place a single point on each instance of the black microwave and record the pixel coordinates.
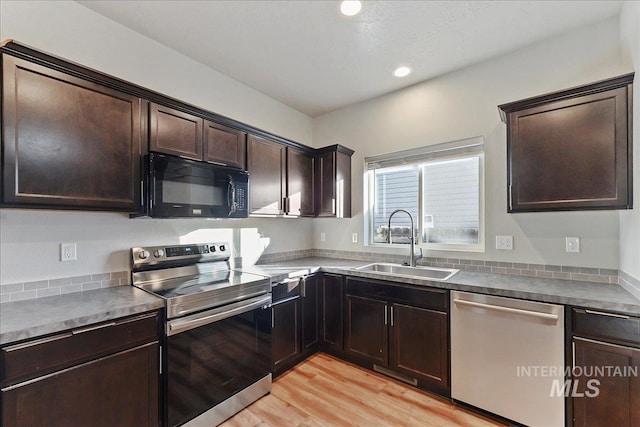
(182, 188)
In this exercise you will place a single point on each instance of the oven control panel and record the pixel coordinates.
(201, 252)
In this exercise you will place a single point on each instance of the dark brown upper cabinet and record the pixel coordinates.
(333, 182)
(266, 163)
(224, 145)
(300, 183)
(68, 142)
(175, 132)
(571, 150)
(186, 135)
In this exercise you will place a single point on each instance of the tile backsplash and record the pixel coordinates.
(45, 288)
(66, 285)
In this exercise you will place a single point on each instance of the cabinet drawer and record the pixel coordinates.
(38, 357)
(608, 326)
(287, 289)
(420, 297)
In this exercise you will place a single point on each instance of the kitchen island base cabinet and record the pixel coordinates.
(118, 390)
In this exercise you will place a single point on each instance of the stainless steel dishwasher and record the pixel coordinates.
(507, 357)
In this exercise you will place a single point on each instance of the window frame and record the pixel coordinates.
(467, 148)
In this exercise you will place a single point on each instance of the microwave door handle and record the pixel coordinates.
(231, 196)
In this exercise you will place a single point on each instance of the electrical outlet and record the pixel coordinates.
(68, 252)
(504, 243)
(573, 244)
(354, 238)
(323, 237)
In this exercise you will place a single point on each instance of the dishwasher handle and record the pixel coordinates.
(503, 309)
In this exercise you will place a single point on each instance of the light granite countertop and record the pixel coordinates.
(568, 292)
(33, 318)
(37, 317)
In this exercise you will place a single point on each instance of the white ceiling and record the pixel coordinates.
(311, 58)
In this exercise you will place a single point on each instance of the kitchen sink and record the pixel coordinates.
(431, 273)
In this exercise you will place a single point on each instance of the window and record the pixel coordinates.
(441, 186)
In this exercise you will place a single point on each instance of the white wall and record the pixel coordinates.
(71, 31)
(463, 104)
(630, 220)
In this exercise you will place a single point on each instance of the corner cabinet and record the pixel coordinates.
(68, 142)
(333, 178)
(107, 374)
(571, 150)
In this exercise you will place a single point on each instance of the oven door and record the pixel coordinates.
(213, 355)
(181, 188)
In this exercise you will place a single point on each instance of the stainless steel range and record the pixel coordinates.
(217, 350)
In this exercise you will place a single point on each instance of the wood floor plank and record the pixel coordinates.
(327, 392)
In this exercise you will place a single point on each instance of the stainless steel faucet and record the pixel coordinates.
(412, 258)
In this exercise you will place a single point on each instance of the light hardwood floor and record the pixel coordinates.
(326, 392)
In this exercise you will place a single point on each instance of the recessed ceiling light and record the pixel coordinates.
(350, 7)
(402, 71)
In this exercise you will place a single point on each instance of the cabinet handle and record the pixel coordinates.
(93, 328)
(303, 291)
(606, 344)
(600, 313)
(391, 316)
(573, 355)
(385, 314)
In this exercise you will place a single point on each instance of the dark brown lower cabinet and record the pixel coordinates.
(117, 390)
(332, 311)
(311, 311)
(105, 374)
(399, 330)
(285, 333)
(419, 343)
(367, 329)
(606, 399)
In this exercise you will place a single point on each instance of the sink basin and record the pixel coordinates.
(431, 273)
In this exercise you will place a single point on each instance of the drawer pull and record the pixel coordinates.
(93, 328)
(600, 313)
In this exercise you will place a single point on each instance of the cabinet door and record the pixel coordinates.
(366, 336)
(332, 301)
(266, 161)
(419, 346)
(224, 145)
(571, 154)
(285, 334)
(118, 390)
(69, 142)
(617, 402)
(310, 312)
(300, 181)
(175, 132)
(333, 186)
(326, 177)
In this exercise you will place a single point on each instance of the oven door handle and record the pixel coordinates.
(190, 322)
